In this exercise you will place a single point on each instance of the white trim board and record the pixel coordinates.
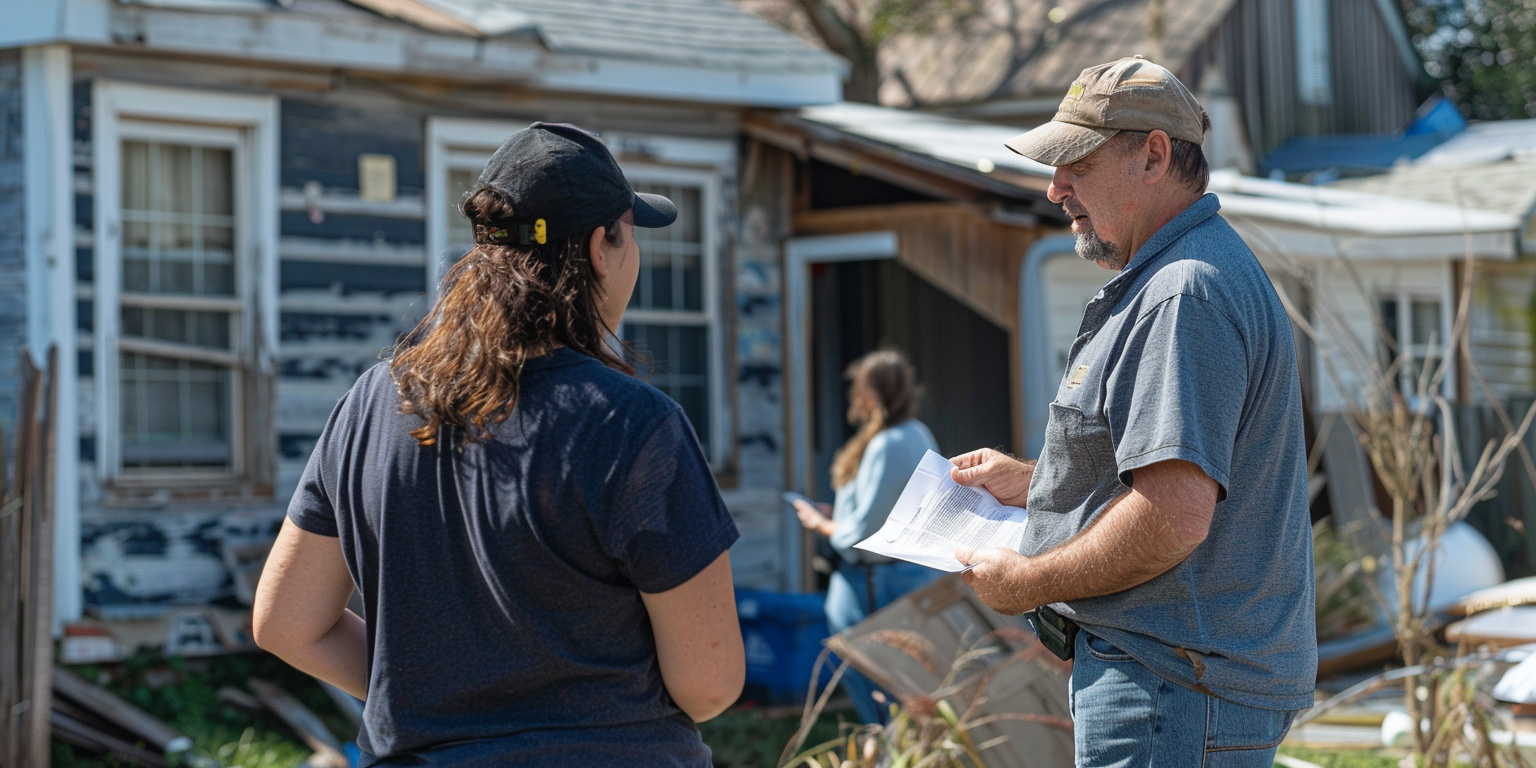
(122, 110)
(350, 42)
(48, 138)
(1037, 371)
(799, 254)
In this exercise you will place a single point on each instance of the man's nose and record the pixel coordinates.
(1060, 188)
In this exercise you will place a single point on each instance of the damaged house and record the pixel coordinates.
(220, 212)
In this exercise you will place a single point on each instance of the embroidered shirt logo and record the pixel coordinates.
(1078, 377)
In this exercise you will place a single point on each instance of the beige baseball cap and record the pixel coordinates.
(1130, 94)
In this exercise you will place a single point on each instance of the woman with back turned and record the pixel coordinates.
(869, 473)
(539, 543)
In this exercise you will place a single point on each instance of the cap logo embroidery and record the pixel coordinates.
(537, 233)
(1078, 377)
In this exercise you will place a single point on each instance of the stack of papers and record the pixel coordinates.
(936, 515)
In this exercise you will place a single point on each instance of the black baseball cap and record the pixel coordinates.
(566, 177)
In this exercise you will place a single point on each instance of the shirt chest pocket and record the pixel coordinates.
(1078, 459)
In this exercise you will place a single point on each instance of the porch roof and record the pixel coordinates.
(1305, 220)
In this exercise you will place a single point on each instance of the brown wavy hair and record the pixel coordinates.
(883, 393)
(501, 306)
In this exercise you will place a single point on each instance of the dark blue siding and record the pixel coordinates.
(13, 262)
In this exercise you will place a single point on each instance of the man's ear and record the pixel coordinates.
(597, 253)
(1159, 154)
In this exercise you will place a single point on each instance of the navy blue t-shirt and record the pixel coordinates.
(502, 581)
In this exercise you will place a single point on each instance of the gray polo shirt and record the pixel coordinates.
(1187, 354)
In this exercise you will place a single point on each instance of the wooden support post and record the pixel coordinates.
(22, 712)
(40, 622)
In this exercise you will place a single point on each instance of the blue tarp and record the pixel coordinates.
(1437, 121)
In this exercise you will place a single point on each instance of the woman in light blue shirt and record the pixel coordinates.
(869, 473)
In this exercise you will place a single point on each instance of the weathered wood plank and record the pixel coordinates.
(40, 622)
(20, 714)
(79, 734)
(304, 722)
(115, 710)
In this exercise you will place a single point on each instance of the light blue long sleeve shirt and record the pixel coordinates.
(862, 505)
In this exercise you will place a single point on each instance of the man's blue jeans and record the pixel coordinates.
(1124, 715)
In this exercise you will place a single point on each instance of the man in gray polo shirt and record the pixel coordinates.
(1168, 509)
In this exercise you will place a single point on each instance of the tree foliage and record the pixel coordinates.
(1482, 51)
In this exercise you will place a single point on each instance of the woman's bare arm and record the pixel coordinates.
(301, 610)
(698, 641)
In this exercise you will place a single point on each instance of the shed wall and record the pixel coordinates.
(1256, 49)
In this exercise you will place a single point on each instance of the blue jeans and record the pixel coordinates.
(848, 604)
(1124, 715)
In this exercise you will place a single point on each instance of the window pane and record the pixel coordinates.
(678, 357)
(217, 193)
(136, 177)
(179, 240)
(461, 235)
(173, 178)
(686, 228)
(661, 281)
(178, 219)
(177, 413)
(671, 258)
(693, 282)
(1425, 319)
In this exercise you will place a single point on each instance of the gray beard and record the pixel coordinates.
(1090, 247)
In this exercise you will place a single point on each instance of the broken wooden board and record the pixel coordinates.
(304, 722)
(72, 731)
(238, 699)
(115, 710)
(906, 648)
(1509, 594)
(1500, 628)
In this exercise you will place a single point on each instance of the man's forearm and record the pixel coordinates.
(1131, 543)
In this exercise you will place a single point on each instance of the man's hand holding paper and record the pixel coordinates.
(936, 516)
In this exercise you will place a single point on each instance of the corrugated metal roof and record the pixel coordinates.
(1507, 186)
(971, 145)
(703, 33)
(977, 148)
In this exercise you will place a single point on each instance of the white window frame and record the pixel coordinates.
(128, 111)
(458, 143)
(1403, 333)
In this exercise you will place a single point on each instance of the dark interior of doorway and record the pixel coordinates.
(961, 358)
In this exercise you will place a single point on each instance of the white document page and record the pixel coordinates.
(936, 515)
